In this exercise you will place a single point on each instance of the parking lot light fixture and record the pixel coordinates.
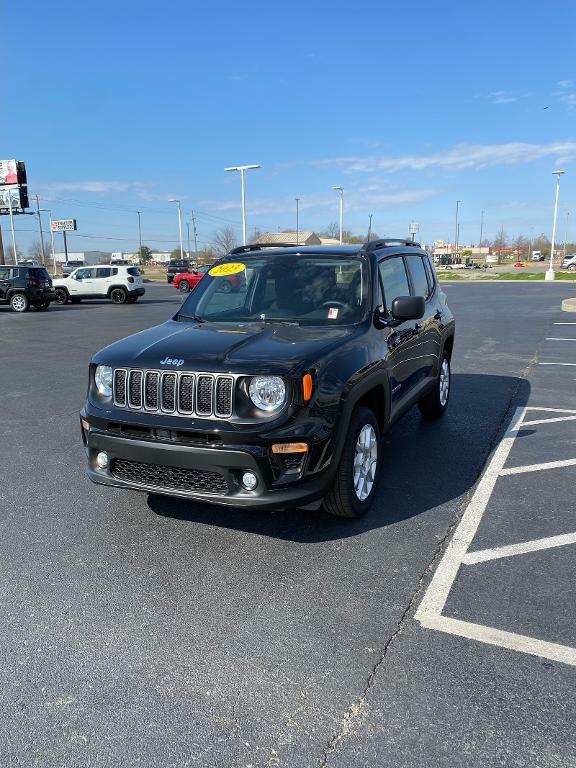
(243, 169)
(550, 272)
(175, 200)
(340, 191)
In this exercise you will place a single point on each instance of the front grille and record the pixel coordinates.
(204, 395)
(169, 478)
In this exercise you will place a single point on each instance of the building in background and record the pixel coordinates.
(300, 238)
(86, 257)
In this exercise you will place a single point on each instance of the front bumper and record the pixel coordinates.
(159, 466)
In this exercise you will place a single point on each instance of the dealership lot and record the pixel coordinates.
(139, 630)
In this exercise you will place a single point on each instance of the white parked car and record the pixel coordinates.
(118, 283)
(570, 263)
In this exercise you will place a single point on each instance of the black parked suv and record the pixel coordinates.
(23, 286)
(175, 267)
(276, 395)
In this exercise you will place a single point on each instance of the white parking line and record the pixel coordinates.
(496, 553)
(538, 467)
(429, 612)
(558, 338)
(556, 363)
(547, 421)
(564, 323)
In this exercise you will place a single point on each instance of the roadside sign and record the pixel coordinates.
(12, 192)
(63, 225)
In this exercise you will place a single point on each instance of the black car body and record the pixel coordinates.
(174, 267)
(353, 333)
(23, 286)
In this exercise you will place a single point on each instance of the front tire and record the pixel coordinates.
(572, 267)
(357, 476)
(434, 404)
(118, 296)
(19, 302)
(61, 296)
(184, 286)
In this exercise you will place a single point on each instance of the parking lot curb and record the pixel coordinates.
(569, 305)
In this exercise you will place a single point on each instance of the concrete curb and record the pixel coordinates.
(569, 305)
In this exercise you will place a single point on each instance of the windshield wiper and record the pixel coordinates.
(280, 320)
(195, 318)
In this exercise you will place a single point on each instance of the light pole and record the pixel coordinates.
(550, 272)
(566, 232)
(456, 230)
(174, 200)
(243, 169)
(139, 235)
(369, 227)
(297, 220)
(413, 230)
(188, 228)
(340, 191)
(12, 226)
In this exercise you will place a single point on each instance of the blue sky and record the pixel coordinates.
(115, 107)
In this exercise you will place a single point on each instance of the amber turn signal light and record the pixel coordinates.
(85, 425)
(290, 448)
(307, 387)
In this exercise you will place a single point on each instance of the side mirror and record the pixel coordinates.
(403, 308)
(408, 308)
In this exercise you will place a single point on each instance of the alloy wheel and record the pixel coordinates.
(365, 462)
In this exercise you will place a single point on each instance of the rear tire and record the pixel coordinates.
(19, 302)
(61, 296)
(357, 476)
(434, 404)
(42, 306)
(118, 296)
(184, 286)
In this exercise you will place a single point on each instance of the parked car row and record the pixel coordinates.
(23, 286)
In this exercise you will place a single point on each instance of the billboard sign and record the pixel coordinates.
(7, 195)
(63, 225)
(8, 172)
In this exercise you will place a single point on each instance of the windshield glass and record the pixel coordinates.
(311, 290)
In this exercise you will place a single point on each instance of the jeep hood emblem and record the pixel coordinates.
(172, 361)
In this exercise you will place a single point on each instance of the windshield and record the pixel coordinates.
(311, 290)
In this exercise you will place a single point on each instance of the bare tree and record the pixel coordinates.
(224, 240)
(332, 230)
(9, 254)
(35, 251)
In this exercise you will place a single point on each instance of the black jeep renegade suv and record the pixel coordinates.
(276, 395)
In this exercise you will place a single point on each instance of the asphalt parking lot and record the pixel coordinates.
(438, 631)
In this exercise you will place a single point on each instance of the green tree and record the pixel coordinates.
(145, 254)
(176, 255)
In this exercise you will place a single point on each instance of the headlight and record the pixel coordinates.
(103, 380)
(267, 392)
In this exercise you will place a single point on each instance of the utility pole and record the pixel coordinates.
(566, 232)
(369, 226)
(195, 234)
(188, 230)
(139, 235)
(456, 230)
(297, 220)
(2, 261)
(40, 227)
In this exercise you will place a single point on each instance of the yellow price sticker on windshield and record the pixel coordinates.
(222, 270)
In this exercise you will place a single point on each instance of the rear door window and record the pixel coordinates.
(103, 272)
(418, 272)
(39, 273)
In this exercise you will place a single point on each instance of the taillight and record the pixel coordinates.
(130, 279)
(34, 282)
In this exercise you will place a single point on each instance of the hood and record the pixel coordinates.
(243, 348)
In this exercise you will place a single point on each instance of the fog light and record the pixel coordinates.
(249, 481)
(102, 460)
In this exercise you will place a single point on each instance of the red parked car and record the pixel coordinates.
(186, 281)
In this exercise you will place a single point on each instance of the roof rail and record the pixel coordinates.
(375, 245)
(259, 247)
